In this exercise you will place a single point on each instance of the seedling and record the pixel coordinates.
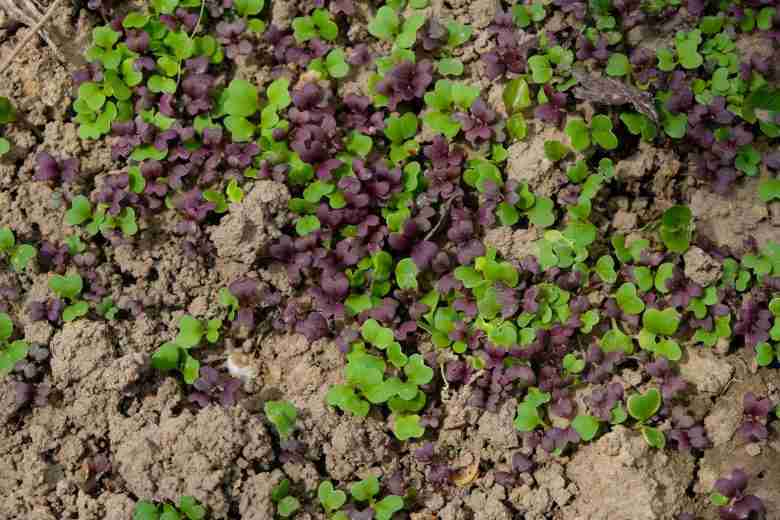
(366, 383)
(318, 25)
(642, 407)
(366, 491)
(282, 415)
(457, 35)
(286, 504)
(600, 132)
(401, 132)
(98, 220)
(586, 426)
(11, 352)
(69, 288)
(19, 256)
(188, 509)
(446, 98)
(7, 115)
(387, 26)
(174, 355)
(528, 417)
(676, 228)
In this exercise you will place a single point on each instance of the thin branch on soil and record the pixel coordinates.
(443, 212)
(35, 29)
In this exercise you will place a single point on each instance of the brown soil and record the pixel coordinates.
(108, 402)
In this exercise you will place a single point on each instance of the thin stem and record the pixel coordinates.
(27, 37)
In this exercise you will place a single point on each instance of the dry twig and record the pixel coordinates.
(27, 12)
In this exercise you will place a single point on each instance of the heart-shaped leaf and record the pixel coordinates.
(643, 406)
(68, 287)
(330, 498)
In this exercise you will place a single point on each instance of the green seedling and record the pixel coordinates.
(401, 132)
(457, 35)
(98, 220)
(69, 288)
(282, 415)
(447, 98)
(11, 352)
(318, 25)
(528, 417)
(642, 407)
(19, 256)
(366, 491)
(387, 26)
(600, 132)
(677, 228)
(286, 504)
(188, 509)
(175, 355)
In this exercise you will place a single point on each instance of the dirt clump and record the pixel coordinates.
(621, 460)
(201, 455)
(252, 224)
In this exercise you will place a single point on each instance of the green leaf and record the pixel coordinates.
(601, 128)
(577, 131)
(765, 354)
(542, 214)
(7, 111)
(605, 268)
(191, 331)
(278, 93)
(769, 190)
(241, 98)
(458, 34)
(628, 300)
(190, 507)
(365, 490)
(6, 327)
(643, 406)
(376, 334)
(385, 24)
(618, 65)
(654, 437)
(572, 364)
(417, 372)
(5, 146)
(145, 510)
(406, 274)
(337, 64)
(527, 418)
(541, 72)
(517, 127)
(79, 212)
(77, 310)
(248, 7)
(330, 498)
(449, 67)
(287, 507)
(158, 84)
(167, 357)
(307, 225)
(586, 426)
(282, 415)
(67, 287)
(21, 257)
(555, 150)
(663, 322)
(408, 427)
(190, 369)
(639, 124)
(517, 95)
(344, 397)
(387, 507)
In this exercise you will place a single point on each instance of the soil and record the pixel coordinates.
(106, 401)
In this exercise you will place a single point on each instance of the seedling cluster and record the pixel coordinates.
(393, 190)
